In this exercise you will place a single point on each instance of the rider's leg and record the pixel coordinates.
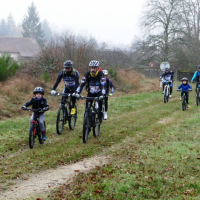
(106, 108)
(31, 119)
(187, 97)
(170, 90)
(42, 127)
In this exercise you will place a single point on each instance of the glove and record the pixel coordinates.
(77, 95)
(23, 107)
(40, 110)
(101, 97)
(53, 92)
(178, 90)
(111, 94)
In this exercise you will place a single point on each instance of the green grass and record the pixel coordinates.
(155, 152)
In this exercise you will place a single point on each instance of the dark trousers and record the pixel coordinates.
(91, 101)
(73, 98)
(106, 104)
(186, 95)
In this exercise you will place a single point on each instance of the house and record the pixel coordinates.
(20, 49)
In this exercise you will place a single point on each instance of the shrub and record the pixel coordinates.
(46, 77)
(8, 67)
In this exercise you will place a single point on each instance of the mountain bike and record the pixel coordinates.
(198, 93)
(91, 118)
(34, 130)
(166, 90)
(64, 113)
(184, 103)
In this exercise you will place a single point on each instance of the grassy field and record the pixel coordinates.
(154, 146)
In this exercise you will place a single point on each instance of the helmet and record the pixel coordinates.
(68, 64)
(94, 63)
(184, 79)
(38, 90)
(167, 69)
(105, 72)
(198, 67)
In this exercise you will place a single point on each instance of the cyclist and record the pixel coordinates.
(197, 76)
(70, 77)
(92, 79)
(108, 83)
(185, 86)
(38, 102)
(168, 76)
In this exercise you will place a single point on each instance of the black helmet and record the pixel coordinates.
(198, 67)
(184, 79)
(38, 90)
(68, 64)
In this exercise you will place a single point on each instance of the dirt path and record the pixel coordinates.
(43, 183)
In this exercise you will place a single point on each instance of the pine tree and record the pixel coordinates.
(32, 26)
(47, 30)
(3, 28)
(10, 25)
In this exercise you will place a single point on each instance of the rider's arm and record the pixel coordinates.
(179, 87)
(29, 103)
(46, 106)
(76, 78)
(111, 86)
(82, 85)
(60, 75)
(189, 86)
(194, 76)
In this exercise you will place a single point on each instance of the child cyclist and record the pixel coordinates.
(40, 103)
(108, 83)
(185, 86)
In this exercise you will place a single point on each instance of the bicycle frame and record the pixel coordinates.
(166, 90)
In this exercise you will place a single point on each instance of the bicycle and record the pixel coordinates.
(64, 113)
(91, 118)
(34, 130)
(166, 90)
(184, 103)
(198, 93)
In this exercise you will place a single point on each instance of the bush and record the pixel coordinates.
(113, 73)
(8, 67)
(46, 77)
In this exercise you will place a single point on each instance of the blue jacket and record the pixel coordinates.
(196, 74)
(185, 88)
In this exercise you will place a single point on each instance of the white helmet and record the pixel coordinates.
(94, 63)
(105, 72)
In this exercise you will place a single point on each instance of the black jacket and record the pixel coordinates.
(38, 103)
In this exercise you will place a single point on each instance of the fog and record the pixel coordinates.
(113, 21)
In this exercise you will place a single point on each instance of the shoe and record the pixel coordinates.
(170, 96)
(180, 99)
(44, 137)
(105, 116)
(73, 111)
(163, 92)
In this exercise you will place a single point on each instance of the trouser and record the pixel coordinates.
(91, 101)
(41, 121)
(186, 95)
(73, 98)
(170, 88)
(106, 104)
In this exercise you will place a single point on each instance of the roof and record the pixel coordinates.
(26, 47)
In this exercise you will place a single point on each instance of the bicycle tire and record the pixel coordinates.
(165, 95)
(184, 105)
(86, 127)
(41, 141)
(197, 97)
(31, 136)
(96, 128)
(72, 119)
(60, 120)
(103, 109)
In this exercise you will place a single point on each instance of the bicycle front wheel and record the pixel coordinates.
(165, 95)
(184, 105)
(96, 128)
(32, 132)
(86, 127)
(72, 120)
(60, 119)
(197, 97)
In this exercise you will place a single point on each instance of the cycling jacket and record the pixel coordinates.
(109, 84)
(38, 103)
(71, 79)
(197, 76)
(93, 83)
(168, 75)
(185, 87)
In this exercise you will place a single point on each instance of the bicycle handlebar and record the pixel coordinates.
(29, 109)
(63, 94)
(92, 98)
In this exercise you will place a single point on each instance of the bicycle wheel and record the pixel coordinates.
(165, 95)
(184, 104)
(86, 127)
(41, 141)
(96, 128)
(60, 119)
(103, 109)
(197, 97)
(32, 132)
(72, 119)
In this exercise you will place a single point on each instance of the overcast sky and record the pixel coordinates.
(112, 21)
